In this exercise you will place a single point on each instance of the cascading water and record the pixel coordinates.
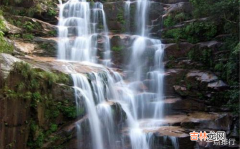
(83, 32)
(127, 5)
(83, 90)
(79, 32)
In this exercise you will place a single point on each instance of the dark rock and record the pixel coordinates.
(183, 64)
(206, 79)
(174, 50)
(181, 90)
(188, 105)
(173, 77)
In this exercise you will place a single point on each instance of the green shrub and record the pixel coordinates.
(28, 36)
(169, 21)
(193, 32)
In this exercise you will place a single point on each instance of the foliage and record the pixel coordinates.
(38, 7)
(193, 32)
(52, 33)
(27, 36)
(120, 17)
(29, 26)
(225, 13)
(224, 60)
(35, 87)
(181, 17)
(221, 17)
(5, 47)
(169, 21)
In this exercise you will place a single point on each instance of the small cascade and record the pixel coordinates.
(141, 16)
(83, 32)
(83, 90)
(105, 113)
(127, 5)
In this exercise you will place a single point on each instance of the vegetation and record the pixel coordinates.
(34, 8)
(5, 46)
(226, 62)
(220, 23)
(35, 86)
(117, 48)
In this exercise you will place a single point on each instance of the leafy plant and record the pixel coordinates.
(169, 21)
(29, 26)
(28, 36)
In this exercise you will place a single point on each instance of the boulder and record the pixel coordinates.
(32, 25)
(11, 29)
(6, 63)
(206, 80)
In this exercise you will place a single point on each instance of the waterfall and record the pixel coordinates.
(83, 90)
(83, 33)
(149, 105)
(80, 28)
(127, 5)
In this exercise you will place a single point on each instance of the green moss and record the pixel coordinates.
(52, 33)
(117, 48)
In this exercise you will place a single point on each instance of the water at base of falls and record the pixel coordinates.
(82, 32)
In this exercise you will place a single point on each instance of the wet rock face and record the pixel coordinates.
(175, 50)
(77, 134)
(28, 111)
(174, 130)
(120, 46)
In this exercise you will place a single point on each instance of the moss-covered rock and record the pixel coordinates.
(37, 104)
